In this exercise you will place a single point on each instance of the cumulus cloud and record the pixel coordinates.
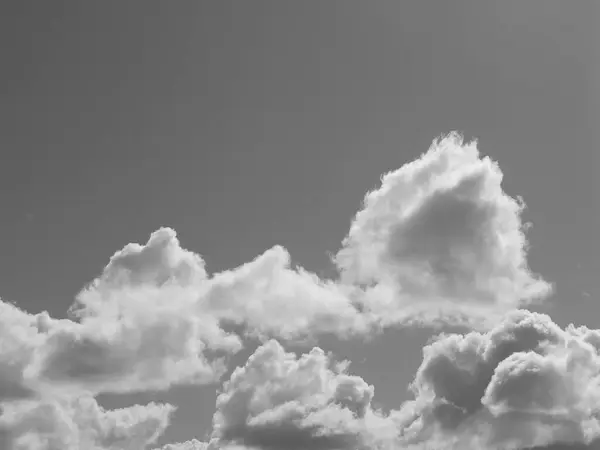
(80, 423)
(154, 318)
(525, 383)
(438, 241)
(271, 298)
(151, 319)
(141, 352)
(32, 417)
(267, 295)
(137, 325)
(440, 236)
(278, 400)
(161, 260)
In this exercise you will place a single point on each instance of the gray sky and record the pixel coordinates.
(248, 124)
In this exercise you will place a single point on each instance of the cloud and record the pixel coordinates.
(159, 261)
(32, 417)
(153, 318)
(80, 423)
(280, 401)
(19, 337)
(194, 444)
(439, 241)
(150, 350)
(440, 236)
(525, 383)
(160, 269)
(266, 295)
(137, 325)
(272, 299)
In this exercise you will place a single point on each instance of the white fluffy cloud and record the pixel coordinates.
(80, 423)
(34, 416)
(266, 295)
(280, 401)
(525, 383)
(159, 261)
(441, 237)
(271, 298)
(138, 326)
(439, 240)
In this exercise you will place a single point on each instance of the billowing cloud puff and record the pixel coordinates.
(266, 295)
(525, 383)
(440, 240)
(136, 353)
(153, 317)
(280, 401)
(161, 260)
(75, 424)
(138, 326)
(441, 236)
(271, 298)
(30, 419)
(140, 269)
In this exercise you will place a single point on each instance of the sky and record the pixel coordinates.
(195, 195)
